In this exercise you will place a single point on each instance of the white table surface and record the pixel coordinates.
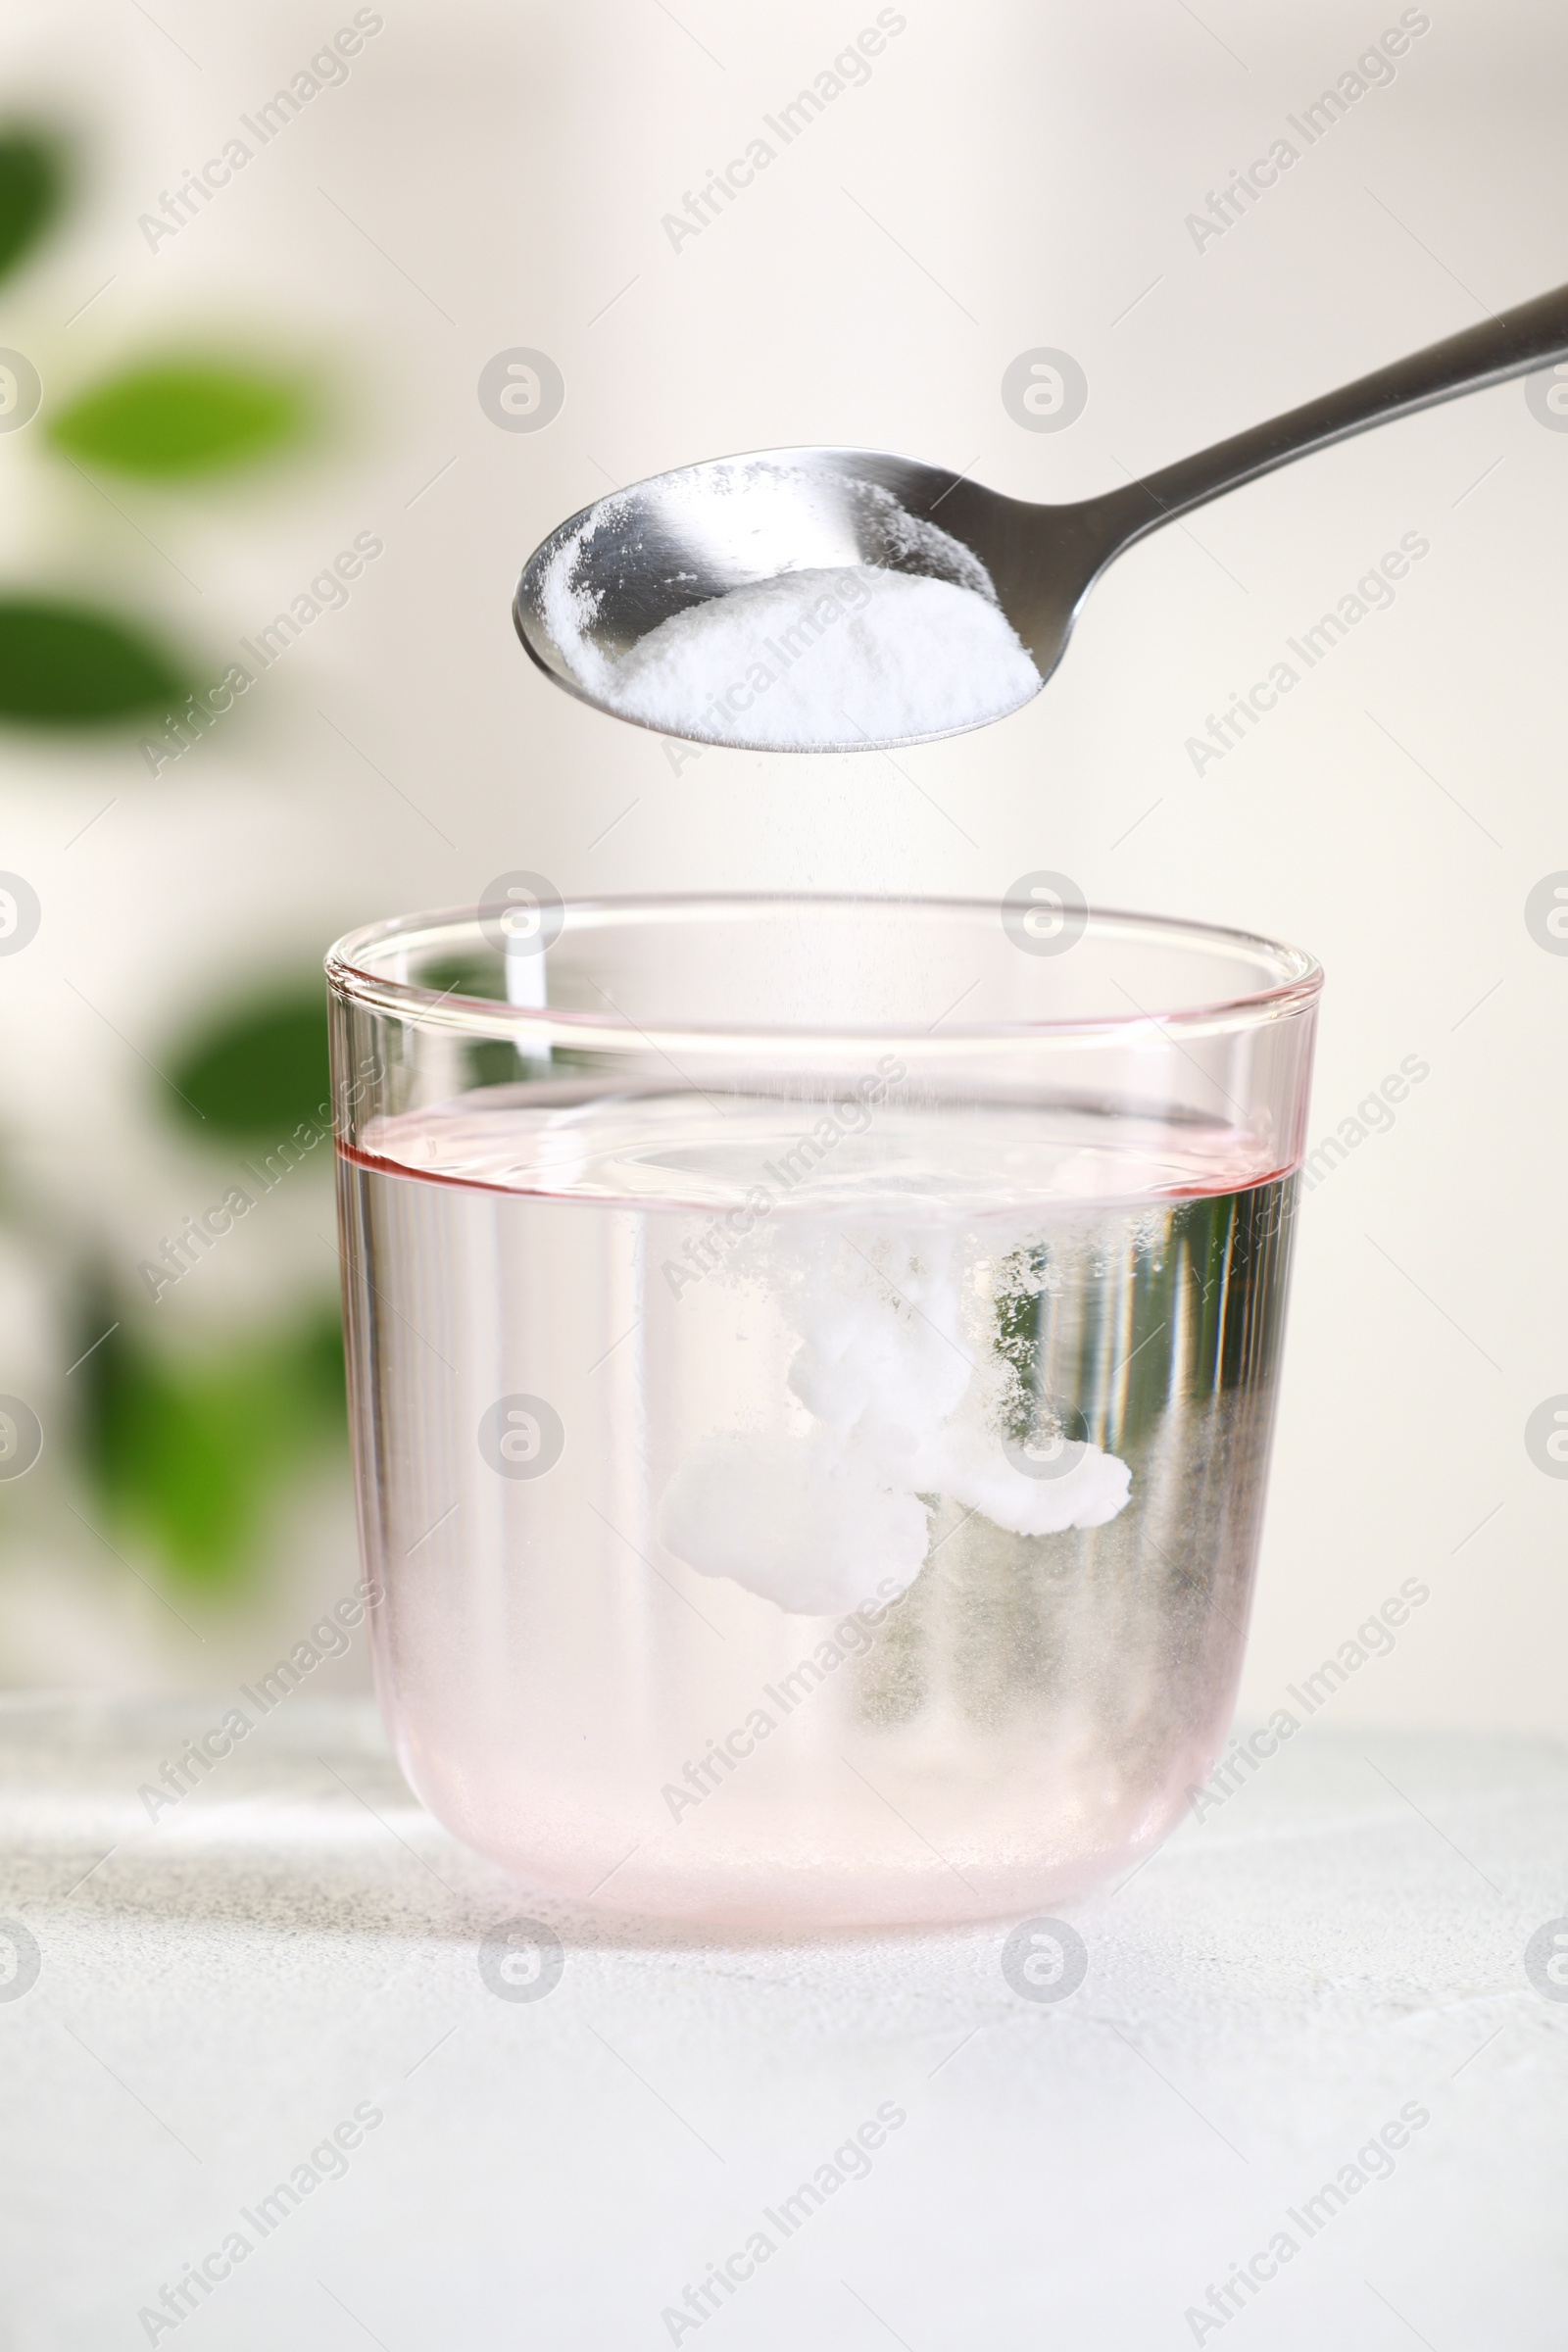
(1342, 1939)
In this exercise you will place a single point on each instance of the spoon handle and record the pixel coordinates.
(1520, 341)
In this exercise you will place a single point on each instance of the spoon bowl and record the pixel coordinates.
(614, 571)
(633, 559)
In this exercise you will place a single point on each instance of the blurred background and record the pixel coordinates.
(316, 319)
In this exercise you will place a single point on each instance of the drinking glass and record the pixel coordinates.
(813, 1363)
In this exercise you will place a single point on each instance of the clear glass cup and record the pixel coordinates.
(813, 1363)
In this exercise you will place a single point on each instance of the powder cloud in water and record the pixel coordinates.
(904, 1405)
(796, 1520)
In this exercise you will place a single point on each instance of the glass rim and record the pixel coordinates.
(350, 974)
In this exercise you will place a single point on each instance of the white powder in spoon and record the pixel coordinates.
(827, 658)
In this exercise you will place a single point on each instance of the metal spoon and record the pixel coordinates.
(681, 538)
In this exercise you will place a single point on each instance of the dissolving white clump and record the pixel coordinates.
(904, 1406)
(826, 659)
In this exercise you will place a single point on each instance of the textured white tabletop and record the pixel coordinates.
(201, 2017)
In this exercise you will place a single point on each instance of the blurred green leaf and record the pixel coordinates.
(189, 1457)
(33, 182)
(179, 417)
(62, 665)
(259, 1071)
